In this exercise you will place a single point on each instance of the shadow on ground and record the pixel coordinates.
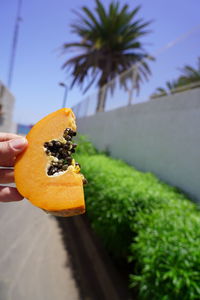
(93, 270)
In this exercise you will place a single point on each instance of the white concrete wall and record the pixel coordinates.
(6, 114)
(161, 136)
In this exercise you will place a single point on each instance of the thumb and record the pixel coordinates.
(10, 149)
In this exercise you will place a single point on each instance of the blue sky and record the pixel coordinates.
(46, 26)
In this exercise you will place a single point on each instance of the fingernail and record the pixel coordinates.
(18, 144)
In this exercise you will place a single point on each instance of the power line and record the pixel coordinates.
(179, 39)
(160, 51)
(14, 43)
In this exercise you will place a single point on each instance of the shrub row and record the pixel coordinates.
(144, 221)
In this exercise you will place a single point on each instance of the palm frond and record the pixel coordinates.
(101, 12)
(91, 16)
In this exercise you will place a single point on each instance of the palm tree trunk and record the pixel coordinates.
(101, 99)
(130, 95)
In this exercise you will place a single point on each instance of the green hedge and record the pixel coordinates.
(143, 220)
(167, 251)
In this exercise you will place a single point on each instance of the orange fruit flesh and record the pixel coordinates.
(62, 192)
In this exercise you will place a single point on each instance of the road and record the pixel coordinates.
(34, 264)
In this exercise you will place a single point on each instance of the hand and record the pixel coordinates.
(10, 146)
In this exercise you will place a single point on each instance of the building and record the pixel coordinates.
(7, 101)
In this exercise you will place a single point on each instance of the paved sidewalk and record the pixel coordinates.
(33, 262)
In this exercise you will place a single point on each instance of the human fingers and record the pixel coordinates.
(10, 149)
(6, 175)
(9, 194)
(8, 136)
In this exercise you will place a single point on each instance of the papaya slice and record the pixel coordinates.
(45, 173)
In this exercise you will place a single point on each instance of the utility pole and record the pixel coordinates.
(65, 93)
(14, 43)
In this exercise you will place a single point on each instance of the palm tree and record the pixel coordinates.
(189, 76)
(109, 43)
(170, 86)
